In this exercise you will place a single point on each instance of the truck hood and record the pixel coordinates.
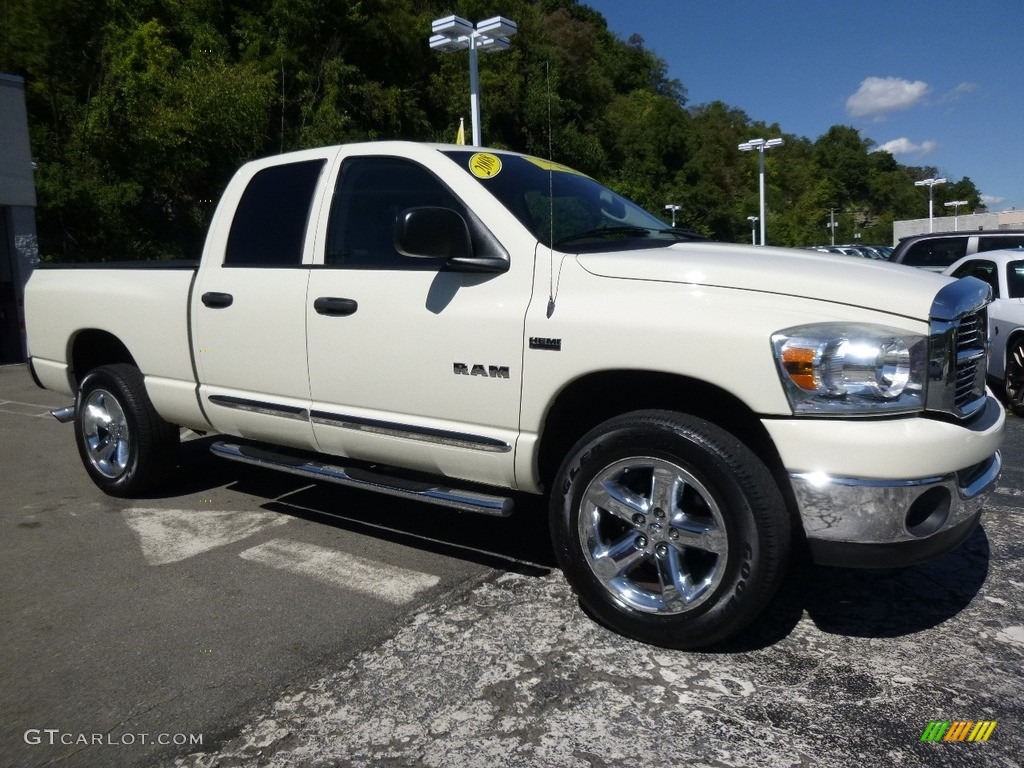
(867, 283)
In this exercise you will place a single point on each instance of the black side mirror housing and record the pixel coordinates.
(441, 233)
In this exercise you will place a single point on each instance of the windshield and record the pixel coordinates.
(561, 206)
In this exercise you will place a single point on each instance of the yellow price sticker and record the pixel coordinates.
(484, 165)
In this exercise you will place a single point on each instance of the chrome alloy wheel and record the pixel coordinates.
(105, 429)
(653, 535)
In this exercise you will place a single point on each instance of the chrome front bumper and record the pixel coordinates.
(856, 522)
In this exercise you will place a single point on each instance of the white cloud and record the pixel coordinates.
(878, 95)
(904, 146)
(959, 91)
(991, 200)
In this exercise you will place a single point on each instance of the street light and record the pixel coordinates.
(753, 230)
(930, 183)
(675, 209)
(761, 146)
(453, 33)
(955, 204)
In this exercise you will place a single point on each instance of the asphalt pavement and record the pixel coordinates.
(293, 625)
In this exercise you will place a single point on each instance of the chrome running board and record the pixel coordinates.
(64, 415)
(416, 490)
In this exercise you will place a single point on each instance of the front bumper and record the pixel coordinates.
(900, 492)
(858, 523)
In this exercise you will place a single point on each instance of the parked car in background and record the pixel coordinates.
(858, 251)
(938, 250)
(1004, 271)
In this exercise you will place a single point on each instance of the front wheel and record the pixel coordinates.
(670, 530)
(1014, 376)
(126, 447)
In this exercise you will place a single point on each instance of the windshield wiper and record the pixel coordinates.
(688, 234)
(605, 232)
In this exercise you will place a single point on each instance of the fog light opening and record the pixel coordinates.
(929, 512)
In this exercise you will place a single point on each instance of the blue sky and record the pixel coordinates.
(938, 83)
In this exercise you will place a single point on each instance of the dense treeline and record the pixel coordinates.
(140, 111)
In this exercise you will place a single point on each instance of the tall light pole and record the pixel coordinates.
(761, 146)
(453, 33)
(753, 230)
(832, 224)
(675, 209)
(955, 205)
(930, 183)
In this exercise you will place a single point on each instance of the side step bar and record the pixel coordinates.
(453, 498)
(64, 415)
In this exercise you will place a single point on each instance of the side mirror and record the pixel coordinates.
(432, 233)
(441, 233)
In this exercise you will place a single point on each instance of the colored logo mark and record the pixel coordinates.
(958, 730)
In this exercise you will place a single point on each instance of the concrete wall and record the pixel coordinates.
(973, 221)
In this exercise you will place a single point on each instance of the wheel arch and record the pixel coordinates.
(90, 348)
(1017, 334)
(597, 397)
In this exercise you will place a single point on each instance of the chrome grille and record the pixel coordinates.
(971, 343)
(957, 348)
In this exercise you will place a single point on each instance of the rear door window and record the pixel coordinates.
(938, 252)
(994, 243)
(269, 228)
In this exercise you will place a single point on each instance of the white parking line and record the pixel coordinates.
(17, 408)
(339, 569)
(170, 535)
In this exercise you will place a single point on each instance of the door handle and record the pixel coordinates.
(335, 307)
(216, 300)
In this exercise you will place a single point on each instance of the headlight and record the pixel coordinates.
(850, 369)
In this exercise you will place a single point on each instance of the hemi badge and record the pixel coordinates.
(536, 342)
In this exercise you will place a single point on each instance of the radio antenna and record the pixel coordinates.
(551, 201)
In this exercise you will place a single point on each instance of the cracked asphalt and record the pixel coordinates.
(847, 667)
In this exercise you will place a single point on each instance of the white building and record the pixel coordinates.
(971, 221)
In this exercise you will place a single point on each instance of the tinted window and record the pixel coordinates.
(983, 270)
(938, 252)
(992, 243)
(370, 193)
(269, 228)
(1015, 279)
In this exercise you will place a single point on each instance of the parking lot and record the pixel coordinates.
(246, 619)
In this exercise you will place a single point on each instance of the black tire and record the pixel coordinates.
(721, 546)
(126, 447)
(1013, 377)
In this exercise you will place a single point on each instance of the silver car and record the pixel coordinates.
(1004, 271)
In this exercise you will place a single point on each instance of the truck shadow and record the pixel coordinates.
(840, 601)
(873, 603)
(518, 543)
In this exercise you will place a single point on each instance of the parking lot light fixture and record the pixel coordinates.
(675, 209)
(761, 146)
(955, 205)
(453, 33)
(930, 183)
(753, 229)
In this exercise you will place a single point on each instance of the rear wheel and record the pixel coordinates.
(126, 447)
(670, 530)
(1014, 376)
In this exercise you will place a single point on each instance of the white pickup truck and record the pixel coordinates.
(456, 325)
